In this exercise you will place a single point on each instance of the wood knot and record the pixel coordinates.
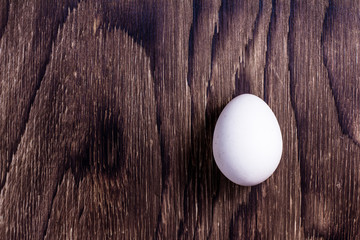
(102, 150)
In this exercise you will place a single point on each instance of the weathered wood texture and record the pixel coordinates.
(108, 108)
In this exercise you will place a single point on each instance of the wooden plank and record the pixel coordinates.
(108, 109)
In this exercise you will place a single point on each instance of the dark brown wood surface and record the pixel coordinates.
(108, 109)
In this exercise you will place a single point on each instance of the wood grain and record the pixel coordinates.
(108, 109)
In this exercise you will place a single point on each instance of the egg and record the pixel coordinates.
(247, 141)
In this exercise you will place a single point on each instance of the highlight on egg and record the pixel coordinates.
(247, 141)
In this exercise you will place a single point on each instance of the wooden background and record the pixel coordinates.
(108, 109)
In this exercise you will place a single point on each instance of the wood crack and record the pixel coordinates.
(213, 201)
(196, 11)
(214, 43)
(302, 163)
(165, 168)
(164, 178)
(255, 28)
(291, 60)
(190, 76)
(268, 45)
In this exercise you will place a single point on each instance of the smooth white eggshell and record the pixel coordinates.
(247, 142)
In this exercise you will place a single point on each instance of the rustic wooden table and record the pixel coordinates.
(108, 109)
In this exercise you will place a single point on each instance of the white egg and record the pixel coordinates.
(247, 142)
